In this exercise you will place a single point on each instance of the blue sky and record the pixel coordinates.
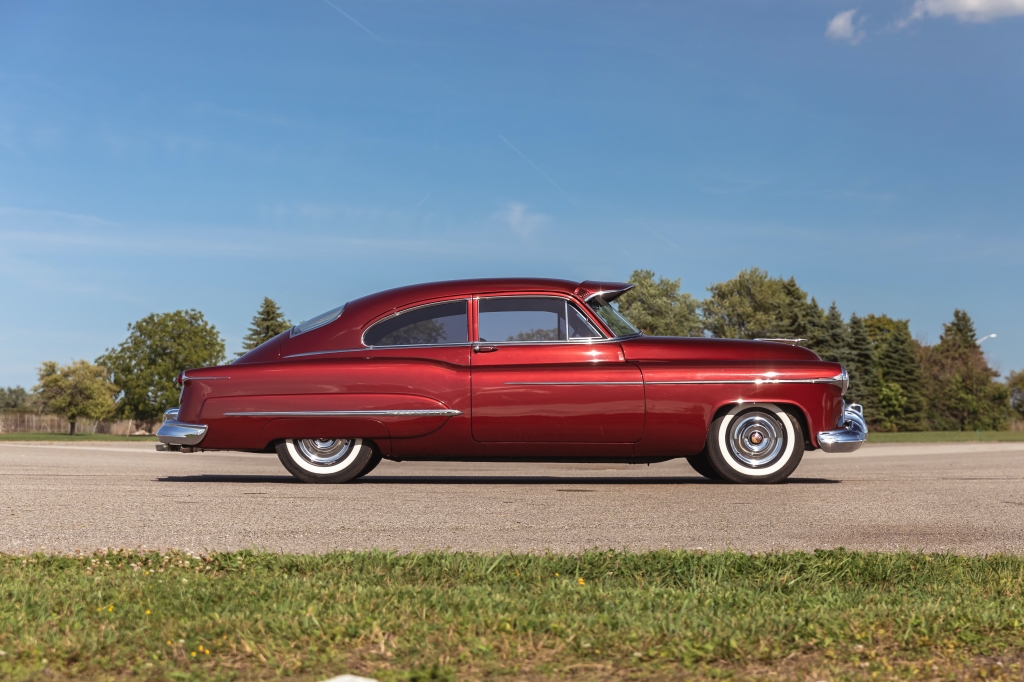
(165, 155)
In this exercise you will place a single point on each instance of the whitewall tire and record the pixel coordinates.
(325, 460)
(755, 443)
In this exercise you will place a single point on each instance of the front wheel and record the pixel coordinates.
(325, 460)
(755, 443)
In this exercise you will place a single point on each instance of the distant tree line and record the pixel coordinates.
(135, 380)
(904, 385)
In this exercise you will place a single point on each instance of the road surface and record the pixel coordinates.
(963, 497)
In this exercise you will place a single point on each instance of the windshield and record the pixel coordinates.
(619, 325)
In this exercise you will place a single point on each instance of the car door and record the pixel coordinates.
(543, 373)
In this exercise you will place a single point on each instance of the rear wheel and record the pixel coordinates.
(325, 460)
(755, 443)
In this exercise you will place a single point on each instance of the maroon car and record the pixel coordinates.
(524, 370)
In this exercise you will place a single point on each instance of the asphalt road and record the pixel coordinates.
(965, 498)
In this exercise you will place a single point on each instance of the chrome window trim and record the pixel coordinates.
(366, 348)
(566, 300)
(573, 342)
(348, 413)
(362, 337)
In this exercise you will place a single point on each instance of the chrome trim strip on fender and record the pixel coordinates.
(850, 435)
(188, 378)
(574, 383)
(833, 380)
(349, 413)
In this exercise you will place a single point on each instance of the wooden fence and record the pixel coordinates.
(27, 422)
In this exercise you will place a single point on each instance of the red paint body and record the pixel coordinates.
(604, 400)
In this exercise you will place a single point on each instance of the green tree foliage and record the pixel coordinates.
(831, 341)
(1015, 383)
(158, 347)
(15, 398)
(860, 363)
(80, 389)
(267, 323)
(961, 391)
(897, 362)
(658, 308)
(801, 319)
(753, 305)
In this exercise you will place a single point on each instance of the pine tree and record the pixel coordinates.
(860, 356)
(898, 362)
(831, 344)
(961, 387)
(268, 322)
(801, 319)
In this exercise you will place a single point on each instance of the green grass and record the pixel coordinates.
(945, 436)
(599, 615)
(63, 437)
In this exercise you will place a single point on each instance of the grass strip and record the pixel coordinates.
(66, 438)
(946, 437)
(598, 615)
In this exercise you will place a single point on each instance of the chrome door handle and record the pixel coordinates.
(484, 349)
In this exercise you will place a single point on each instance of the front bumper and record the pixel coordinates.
(174, 432)
(851, 435)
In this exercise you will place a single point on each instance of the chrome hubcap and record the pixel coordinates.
(755, 440)
(323, 451)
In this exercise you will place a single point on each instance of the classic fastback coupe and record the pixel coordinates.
(523, 370)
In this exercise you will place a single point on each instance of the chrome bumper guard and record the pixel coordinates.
(851, 435)
(176, 435)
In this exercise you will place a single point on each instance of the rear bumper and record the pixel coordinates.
(174, 432)
(850, 436)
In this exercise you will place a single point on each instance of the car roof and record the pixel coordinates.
(402, 296)
(407, 295)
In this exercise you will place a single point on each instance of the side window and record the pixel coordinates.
(433, 324)
(579, 326)
(528, 319)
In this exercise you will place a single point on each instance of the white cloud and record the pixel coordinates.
(521, 220)
(977, 11)
(844, 27)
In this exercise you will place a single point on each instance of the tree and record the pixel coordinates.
(268, 322)
(80, 389)
(658, 308)
(751, 305)
(831, 342)
(158, 347)
(15, 398)
(897, 361)
(961, 387)
(860, 359)
(1015, 383)
(800, 319)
